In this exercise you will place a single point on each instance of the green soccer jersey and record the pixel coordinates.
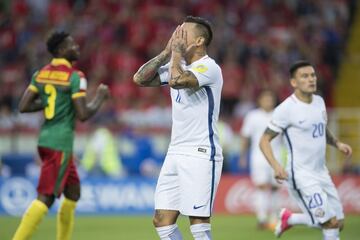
(57, 85)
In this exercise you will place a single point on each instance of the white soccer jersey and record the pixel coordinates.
(254, 125)
(304, 131)
(195, 112)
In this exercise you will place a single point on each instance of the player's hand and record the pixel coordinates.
(344, 148)
(280, 174)
(103, 91)
(167, 49)
(179, 42)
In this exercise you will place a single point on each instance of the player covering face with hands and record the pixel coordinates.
(302, 120)
(191, 171)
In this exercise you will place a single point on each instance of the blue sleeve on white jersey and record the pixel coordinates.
(164, 74)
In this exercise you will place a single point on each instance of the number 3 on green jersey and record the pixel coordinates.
(50, 90)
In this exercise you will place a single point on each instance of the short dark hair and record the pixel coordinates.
(204, 27)
(54, 41)
(298, 64)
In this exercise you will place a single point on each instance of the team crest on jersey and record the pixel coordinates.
(319, 213)
(200, 68)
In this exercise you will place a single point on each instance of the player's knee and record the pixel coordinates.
(72, 193)
(158, 220)
(341, 224)
(48, 200)
(161, 219)
(332, 223)
(74, 197)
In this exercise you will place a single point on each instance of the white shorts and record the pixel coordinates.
(321, 201)
(188, 184)
(262, 173)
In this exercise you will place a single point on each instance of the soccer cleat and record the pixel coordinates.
(282, 224)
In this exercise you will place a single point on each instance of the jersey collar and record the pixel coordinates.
(204, 57)
(60, 61)
(296, 99)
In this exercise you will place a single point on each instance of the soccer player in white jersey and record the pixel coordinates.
(302, 120)
(262, 176)
(191, 171)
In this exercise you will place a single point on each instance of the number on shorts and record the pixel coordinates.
(315, 201)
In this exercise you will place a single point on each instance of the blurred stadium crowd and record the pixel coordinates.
(255, 41)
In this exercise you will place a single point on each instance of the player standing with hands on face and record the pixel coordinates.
(302, 120)
(191, 171)
(59, 90)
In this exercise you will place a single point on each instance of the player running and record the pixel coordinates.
(262, 175)
(302, 120)
(60, 91)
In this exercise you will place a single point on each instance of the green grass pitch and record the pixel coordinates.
(140, 228)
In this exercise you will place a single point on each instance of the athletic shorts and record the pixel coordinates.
(57, 171)
(188, 184)
(321, 201)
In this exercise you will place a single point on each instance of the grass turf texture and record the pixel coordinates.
(140, 227)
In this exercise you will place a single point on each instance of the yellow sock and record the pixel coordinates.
(65, 219)
(31, 219)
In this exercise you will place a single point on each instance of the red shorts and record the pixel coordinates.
(57, 171)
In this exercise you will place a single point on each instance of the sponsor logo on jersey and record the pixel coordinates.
(197, 207)
(54, 77)
(302, 121)
(203, 150)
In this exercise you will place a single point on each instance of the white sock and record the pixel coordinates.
(261, 203)
(201, 231)
(170, 232)
(331, 234)
(301, 219)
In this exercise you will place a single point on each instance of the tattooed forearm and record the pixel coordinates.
(330, 139)
(185, 80)
(147, 72)
(270, 133)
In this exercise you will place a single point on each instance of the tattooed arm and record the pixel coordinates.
(180, 78)
(147, 75)
(330, 139)
(343, 147)
(266, 149)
